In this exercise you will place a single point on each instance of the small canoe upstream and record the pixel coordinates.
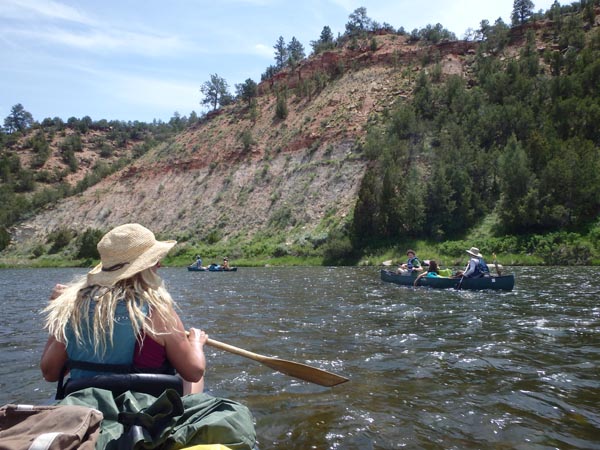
(210, 269)
(504, 282)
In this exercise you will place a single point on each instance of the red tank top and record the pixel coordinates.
(151, 355)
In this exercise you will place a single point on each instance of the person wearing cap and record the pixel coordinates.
(476, 268)
(121, 314)
(412, 264)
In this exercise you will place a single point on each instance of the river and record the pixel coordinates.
(428, 369)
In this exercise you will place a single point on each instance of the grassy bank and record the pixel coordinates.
(557, 248)
(386, 256)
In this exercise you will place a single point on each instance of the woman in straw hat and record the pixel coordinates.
(121, 314)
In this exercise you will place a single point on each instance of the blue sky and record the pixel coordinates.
(147, 59)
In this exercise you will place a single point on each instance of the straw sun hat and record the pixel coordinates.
(124, 251)
(474, 251)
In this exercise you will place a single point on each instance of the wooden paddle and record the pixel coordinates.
(496, 265)
(460, 283)
(293, 369)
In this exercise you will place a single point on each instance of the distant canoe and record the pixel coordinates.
(220, 269)
(210, 269)
(504, 283)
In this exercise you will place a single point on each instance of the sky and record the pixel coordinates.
(147, 59)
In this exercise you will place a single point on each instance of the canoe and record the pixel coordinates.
(210, 269)
(504, 282)
(220, 269)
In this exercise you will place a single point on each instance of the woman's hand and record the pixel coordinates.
(57, 291)
(197, 336)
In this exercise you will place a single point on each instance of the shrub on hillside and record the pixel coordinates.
(594, 236)
(59, 239)
(338, 250)
(4, 238)
(281, 108)
(87, 244)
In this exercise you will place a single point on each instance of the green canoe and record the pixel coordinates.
(504, 283)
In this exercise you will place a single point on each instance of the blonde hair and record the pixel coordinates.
(142, 292)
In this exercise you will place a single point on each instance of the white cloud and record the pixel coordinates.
(264, 50)
(54, 22)
(23, 10)
(116, 40)
(99, 41)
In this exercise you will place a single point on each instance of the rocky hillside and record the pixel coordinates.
(245, 171)
(242, 170)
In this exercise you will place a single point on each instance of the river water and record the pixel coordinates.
(429, 369)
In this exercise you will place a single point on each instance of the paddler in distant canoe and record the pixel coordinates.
(477, 267)
(412, 264)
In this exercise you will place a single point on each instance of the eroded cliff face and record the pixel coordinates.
(191, 201)
(241, 171)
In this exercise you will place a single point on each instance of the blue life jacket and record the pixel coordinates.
(119, 353)
(413, 262)
(112, 368)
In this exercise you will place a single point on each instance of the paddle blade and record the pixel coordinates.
(293, 369)
(304, 372)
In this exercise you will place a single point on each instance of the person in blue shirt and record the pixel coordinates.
(432, 272)
(476, 268)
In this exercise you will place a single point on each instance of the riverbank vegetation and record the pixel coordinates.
(520, 145)
(35, 181)
(555, 248)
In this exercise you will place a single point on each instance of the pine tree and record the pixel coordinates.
(295, 51)
(281, 53)
(18, 119)
(522, 11)
(325, 42)
(215, 92)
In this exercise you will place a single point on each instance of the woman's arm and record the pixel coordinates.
(54, 355)
(53, 359)
(470, 268)
(421, 275)
(186, 354)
